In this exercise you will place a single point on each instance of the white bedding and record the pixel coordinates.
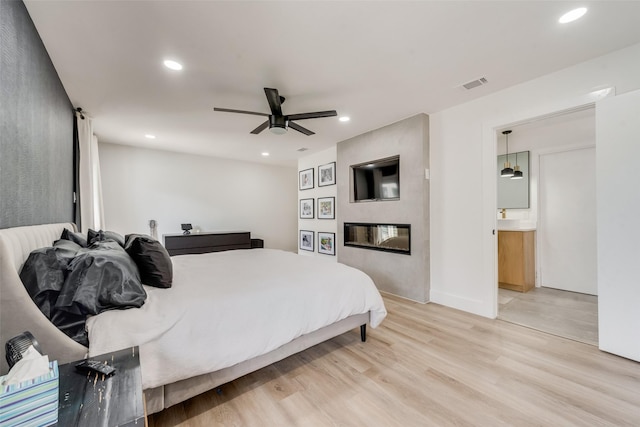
(228, 307)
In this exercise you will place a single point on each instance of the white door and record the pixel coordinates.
(618, 148)
(567, 229)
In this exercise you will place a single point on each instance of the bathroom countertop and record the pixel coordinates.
(515, 225)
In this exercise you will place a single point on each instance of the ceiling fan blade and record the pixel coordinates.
(301, 129)
(274, 101)
(260, 128)
(315, 115)
(228, 110)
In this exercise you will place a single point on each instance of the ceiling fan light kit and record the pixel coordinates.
(277, 122)
(277, 125)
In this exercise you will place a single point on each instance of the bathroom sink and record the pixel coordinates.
(509, 224)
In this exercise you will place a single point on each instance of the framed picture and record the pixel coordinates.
(326, 208)
(327, 174)
(326, 243)
(306, 208)
(306, 179)
(306, 240)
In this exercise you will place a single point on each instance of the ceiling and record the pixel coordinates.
(376, 62)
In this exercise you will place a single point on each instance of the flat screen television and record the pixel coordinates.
(377, 180)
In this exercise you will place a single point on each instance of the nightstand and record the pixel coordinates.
(91, 400)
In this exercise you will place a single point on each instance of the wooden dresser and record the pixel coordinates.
(516, 260)
(200, 243)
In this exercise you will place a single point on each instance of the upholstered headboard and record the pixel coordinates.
(18, 313)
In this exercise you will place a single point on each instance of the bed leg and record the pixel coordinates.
(363, 333)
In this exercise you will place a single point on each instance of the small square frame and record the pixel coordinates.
(305, 180)
(326, 243)
(306, 209)
(326, 208)
(306, 240)
(327, 174)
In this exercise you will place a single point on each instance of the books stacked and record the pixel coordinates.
(30, 403)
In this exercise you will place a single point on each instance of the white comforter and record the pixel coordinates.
(228, 307)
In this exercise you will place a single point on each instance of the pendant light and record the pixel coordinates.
(507, 172)
(517, 173)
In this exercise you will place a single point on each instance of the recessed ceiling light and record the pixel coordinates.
(172, 65)
(344, 119)
(149, 136)
(265, 154)
(572, 15)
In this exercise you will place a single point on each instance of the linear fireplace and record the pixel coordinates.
(380, 237)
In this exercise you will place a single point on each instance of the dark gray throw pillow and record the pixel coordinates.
(43, 276)
(153, 260)
(74, 237)
(65, 250)
(100, 236)
(101, 277)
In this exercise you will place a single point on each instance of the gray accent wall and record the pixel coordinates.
(404, 275)
(36, 127)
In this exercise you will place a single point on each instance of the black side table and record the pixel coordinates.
(92, 400)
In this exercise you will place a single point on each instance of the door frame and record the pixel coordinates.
(490, 131)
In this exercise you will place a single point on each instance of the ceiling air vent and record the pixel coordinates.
(475, 83)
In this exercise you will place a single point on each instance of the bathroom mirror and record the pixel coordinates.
(513, 193)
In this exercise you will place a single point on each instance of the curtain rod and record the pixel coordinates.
(79, 111)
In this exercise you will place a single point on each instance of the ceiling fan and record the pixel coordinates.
(278, 122)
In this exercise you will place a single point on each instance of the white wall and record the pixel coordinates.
(463, 206)
(316, 225)
(554, 135)
(212, 194)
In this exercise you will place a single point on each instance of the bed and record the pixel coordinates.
(204, 331)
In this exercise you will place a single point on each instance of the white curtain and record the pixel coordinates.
(91, 209)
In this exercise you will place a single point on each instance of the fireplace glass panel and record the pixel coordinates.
(381, 237)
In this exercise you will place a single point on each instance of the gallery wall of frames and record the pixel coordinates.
(317, 192)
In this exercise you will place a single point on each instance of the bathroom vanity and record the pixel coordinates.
(516, 259)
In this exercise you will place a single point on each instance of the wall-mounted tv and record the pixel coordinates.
(376, 180)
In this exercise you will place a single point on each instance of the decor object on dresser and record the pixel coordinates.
(327, 174)
(326, 243)
(306, 208)
(153, 228)
(213, 296)
(326, 208)
(306, 179)
(306, 240)
(186, 228)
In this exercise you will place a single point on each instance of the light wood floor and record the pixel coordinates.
(428, 365)
(566, 314)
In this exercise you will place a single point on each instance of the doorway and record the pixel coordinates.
(562, 211)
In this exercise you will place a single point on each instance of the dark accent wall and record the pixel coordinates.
(36, 127)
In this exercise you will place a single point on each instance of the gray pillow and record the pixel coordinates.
(100, 236)
(74, 237)
(101, 277)
(43, 276)
(153, 260)
(65, 250)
